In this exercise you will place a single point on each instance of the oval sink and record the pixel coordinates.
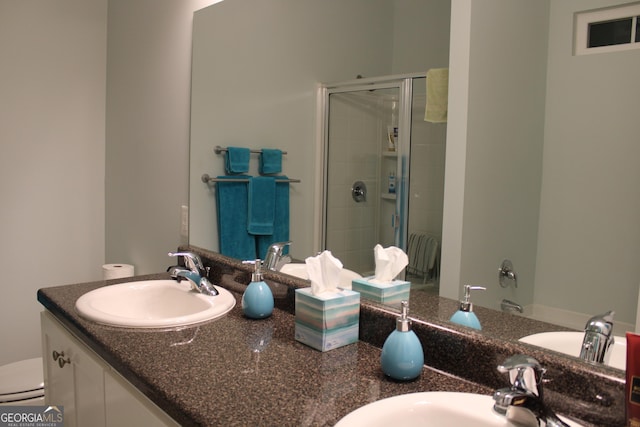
(570, 343)
(433, 409)
(299, 270)
(153, 304)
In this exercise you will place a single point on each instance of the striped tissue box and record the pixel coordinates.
(390, 293)
(327, 321)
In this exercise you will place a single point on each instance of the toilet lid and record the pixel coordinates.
(24, 376)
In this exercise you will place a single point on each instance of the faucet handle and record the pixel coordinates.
(193, 261)
(525, 373)
(274, 252)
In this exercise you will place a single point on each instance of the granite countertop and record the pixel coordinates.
(237, 371)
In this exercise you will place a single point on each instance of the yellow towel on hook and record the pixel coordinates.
(437, 95)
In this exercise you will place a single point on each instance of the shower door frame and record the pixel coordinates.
(404, 84)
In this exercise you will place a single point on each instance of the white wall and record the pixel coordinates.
(147, 156)
(589, 243)
(494, 155)
(52, 121)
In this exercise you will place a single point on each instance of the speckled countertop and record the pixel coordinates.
(236, 371)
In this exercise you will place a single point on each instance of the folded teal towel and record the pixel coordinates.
(233, 238)
(261, 209)
(281, 219)
(236, 160)
(270, 161)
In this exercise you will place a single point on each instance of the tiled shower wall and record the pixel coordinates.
(353, 155)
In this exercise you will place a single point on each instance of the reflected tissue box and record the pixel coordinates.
(328, 320)
(391, 293)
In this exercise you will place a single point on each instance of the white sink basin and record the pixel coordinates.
(300, 270)
(153, 304)
(571, 342)
(429, 409)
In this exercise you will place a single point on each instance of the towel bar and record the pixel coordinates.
(207, 179)
(218, 149)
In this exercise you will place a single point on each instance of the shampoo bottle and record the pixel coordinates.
(465, 315)
(257, 300)
(402, 356)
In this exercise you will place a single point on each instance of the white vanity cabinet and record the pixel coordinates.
(90, 391)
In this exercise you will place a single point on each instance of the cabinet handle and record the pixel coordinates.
(59, 357)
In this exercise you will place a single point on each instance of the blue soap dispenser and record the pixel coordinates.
(465, 315)
(402, 356)
(257, 300)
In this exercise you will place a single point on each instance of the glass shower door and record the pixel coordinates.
(364, 174)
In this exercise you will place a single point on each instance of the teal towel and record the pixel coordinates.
(236, 160)
(270, 161)
(233, 238)
(261, 209)
(280, 222)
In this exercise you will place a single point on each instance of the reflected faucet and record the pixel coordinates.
(598, 338)
(195, 273)
(523, 401)
(510, 306)
(274, 259)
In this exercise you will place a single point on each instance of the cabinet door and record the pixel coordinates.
(73, 378)
(126, 406)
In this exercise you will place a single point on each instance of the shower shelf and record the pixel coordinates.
(388, 196)
(389, 154)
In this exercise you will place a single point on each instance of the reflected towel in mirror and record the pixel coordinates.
(270, 161)
(232, 208)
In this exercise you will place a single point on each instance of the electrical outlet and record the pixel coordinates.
(184, 221)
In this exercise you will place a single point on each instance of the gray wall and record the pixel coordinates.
(494, 146)
(52, 120)
(147, 154)
(589, 231)
(548, 175)
(62, 91)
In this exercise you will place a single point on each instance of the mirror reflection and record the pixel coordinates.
(540, 160)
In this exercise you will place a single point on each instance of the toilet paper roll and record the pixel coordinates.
(117, 271)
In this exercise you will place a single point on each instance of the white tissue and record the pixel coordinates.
(389, 263)
(324, 273)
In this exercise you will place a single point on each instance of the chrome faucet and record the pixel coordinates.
(195, 273)
(273, 260)
(598, 338)
(523, 401)
(510, 306)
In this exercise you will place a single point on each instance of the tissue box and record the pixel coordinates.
(391, 293)
(327, 321)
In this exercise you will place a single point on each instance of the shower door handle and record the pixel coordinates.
(359, 192)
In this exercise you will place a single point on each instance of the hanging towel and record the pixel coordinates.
(236, 160)
(233, 238)
(437, 95)
(280, 222)
(261, 209)
(270, 161)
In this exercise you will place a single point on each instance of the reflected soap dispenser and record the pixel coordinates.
(402, 356)
(465, 315)
(257, 300)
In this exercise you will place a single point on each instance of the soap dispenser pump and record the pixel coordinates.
(465, 315)
(257, 300)
(402, 356)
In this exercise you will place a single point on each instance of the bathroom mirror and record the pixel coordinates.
(539, 164)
